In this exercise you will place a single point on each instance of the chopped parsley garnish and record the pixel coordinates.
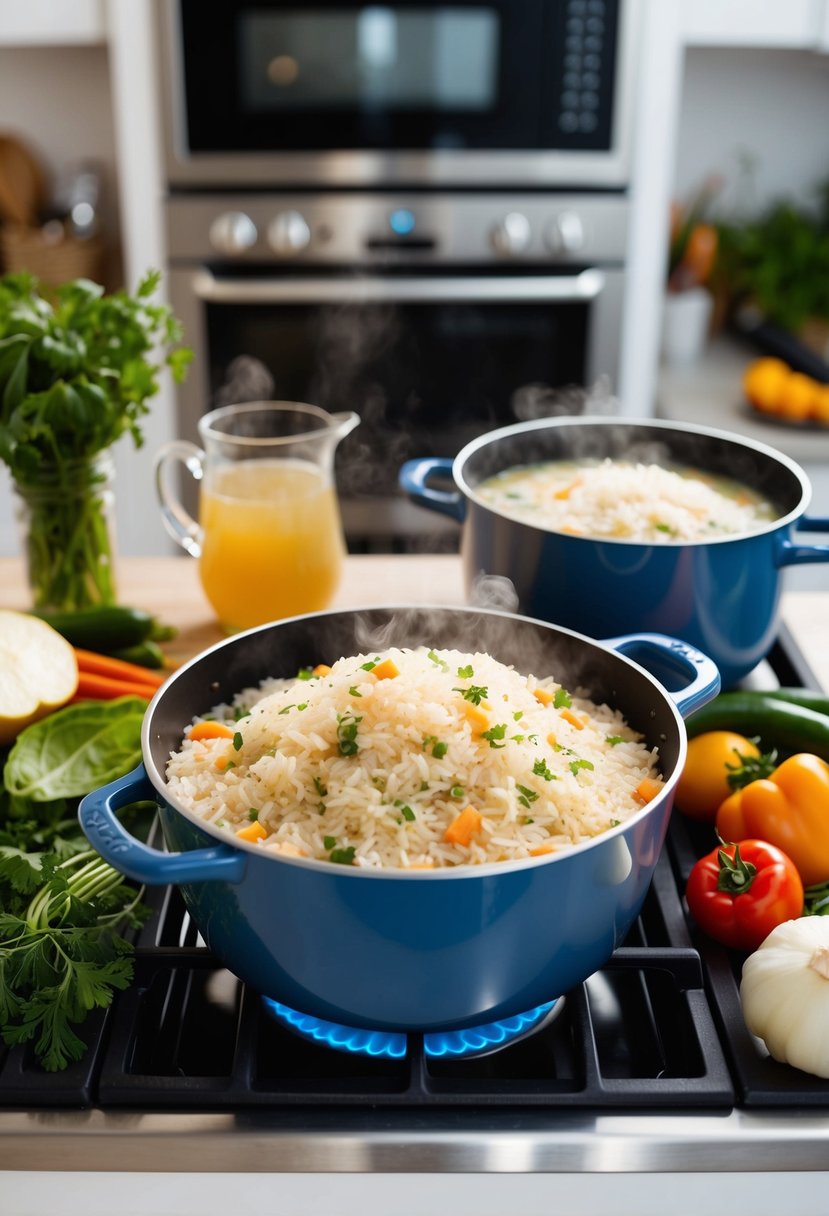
(518, 715)
(320, 787)
(230, 764)
(306, 673)
(354, 691)
(328, 842)
(343, 857)
(517, 738)
(370, 665)
(237, 740)
(494, 734)
(540, 769)
(240, 712)
(440, 749)
(253, 814)
(302, 705)
(466, 673)
(347, 726)
(613, 740)
(424, 785)
(526, 795)
(321, 808)
(663, 528)
(527, 819)
(614, 823)
(575, 765)
(562, 699)
(437, 660)
(474, 694)
(286, 708)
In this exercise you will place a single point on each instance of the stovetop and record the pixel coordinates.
(650, 1053)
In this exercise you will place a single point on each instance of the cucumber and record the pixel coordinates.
(780, 723)
(807, 697)
(104, 629)
(145, 654)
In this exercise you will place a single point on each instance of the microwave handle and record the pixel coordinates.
(576, 288)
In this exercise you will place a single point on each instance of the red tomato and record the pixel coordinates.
(739, 898)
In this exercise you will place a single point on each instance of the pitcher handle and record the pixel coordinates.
(184, 530)
(684, 662)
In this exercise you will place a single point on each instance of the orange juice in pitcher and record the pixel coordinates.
(273, 544)
(269, 538)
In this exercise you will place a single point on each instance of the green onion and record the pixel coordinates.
(407, 813)
(466, 673)
(437, 660)
(440, 750)
(285, 710)
(343, 857)
(575, 765)
(562, 699)
(253, 814)
(495, 733)
(354, 691)
(320, 787)
(237, 741)
(328, 842)
(457, 791)
(347, 733)
(613, 740)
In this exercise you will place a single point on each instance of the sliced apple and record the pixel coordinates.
(38, 672)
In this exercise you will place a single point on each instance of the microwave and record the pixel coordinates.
(470, 93)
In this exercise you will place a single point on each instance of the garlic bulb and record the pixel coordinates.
(785, 993)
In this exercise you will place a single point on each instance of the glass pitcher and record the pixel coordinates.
(269, 538)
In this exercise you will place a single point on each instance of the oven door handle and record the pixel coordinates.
(370, 289)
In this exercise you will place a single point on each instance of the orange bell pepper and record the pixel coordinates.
(789, 809)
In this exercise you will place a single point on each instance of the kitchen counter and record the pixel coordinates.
(482, 1159)
(169, 587)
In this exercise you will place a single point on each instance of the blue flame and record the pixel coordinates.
(393, 1044)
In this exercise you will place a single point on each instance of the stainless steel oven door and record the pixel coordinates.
(428, 360)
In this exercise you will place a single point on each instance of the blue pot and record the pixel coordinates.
(417, 950)
(720, 595)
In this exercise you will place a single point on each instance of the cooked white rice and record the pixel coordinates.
(641, 502)
(374, 771)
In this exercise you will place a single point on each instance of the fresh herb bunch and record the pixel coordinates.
(63, 908)
(75, 375)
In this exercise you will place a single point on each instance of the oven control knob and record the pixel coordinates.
(566, 233)
(511, 234)
(233, 232)
(288, 233)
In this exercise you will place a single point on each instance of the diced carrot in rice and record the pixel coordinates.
(253, 832)
(569, 716)
(463, 827)
(386, 670)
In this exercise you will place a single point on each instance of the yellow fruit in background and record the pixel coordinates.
(797, 396)
(763, 381)
(820, 403)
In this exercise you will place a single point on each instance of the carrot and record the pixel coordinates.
(253, 832)
(211, 730)
(464, 826)
(570, 717)
(386, 670)
(541, 849)
(101, 688)
(321, 669)
(648, 789)
(551, 739)
(117, 669)
(543, 695)
(476, 716)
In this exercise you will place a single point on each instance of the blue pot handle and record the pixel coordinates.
(678, 659)
(414, 477)
(790, 553)
(106, 833)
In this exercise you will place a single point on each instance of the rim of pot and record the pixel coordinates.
(461, 872)
(577, 420)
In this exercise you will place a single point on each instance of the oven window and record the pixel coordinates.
(372, 57)
(425, 378)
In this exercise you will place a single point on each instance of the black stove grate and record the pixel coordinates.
(658, 1027)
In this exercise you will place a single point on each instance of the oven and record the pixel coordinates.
(417, 211)
(416, 92)
(432, 338)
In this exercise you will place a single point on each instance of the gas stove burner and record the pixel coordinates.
(445, 1044)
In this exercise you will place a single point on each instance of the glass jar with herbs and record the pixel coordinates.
(76, 373)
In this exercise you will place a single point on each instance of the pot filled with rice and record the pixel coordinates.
(610, 525)
(411, 819)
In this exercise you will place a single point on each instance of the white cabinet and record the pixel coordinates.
(51, 22)
(756, 23)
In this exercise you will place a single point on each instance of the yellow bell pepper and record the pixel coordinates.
(789, 809)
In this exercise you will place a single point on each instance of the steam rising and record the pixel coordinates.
(246, 379)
